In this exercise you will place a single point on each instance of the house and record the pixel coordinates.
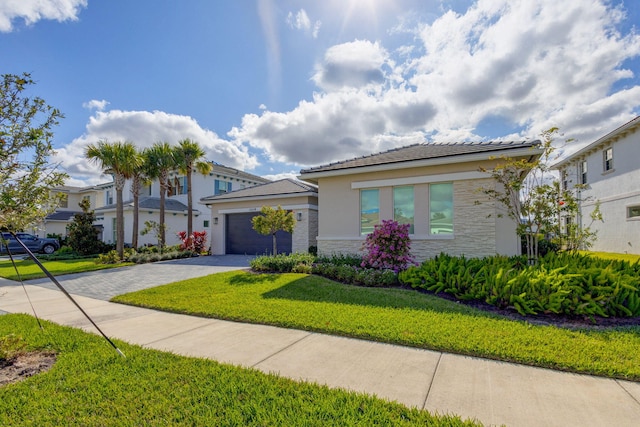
(606, 171)
(57, 222)
(433, 187)
(231, 227)
(220, 180)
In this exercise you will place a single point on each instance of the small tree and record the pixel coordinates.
(26, 177)
(273, 220)
(157, 229)
(533, 198)
(83, 237)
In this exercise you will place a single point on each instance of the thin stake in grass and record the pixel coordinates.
(64, 291)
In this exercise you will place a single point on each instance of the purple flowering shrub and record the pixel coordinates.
(388, 247)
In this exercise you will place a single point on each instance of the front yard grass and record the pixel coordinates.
(395, 316)
(29, 270)
(613, 256)
(90, 384)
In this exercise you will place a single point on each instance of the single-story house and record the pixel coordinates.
(433, 187)
(231, 213)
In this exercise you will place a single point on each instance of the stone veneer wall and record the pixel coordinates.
(305, 231)
(474, 229)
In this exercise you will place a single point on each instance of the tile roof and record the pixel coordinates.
(423, 152)
(151, 203)
(283, 187)
(231, 172)
(61, 215)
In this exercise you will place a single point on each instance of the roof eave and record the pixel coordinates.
(614, 135)
(439, 161)
(210, 201)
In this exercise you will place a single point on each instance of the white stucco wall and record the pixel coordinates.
(616, 190)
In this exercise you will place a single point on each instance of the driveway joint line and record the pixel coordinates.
(433, 377)
(195, 328)
(282, 349)
(627, 391)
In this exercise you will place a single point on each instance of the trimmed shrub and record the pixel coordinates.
(282, 263)
(570, 284)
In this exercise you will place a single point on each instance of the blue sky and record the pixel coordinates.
(271, 87)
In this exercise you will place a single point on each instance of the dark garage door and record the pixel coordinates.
(243, 239)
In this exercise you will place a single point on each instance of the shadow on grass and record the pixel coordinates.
(318, 289)
(251, 279)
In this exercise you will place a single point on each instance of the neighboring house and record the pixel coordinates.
(57, 222)
(609, 173)
(220, 180)
(433, 187)
(232, 230)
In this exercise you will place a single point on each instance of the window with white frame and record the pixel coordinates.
(564, 180)
(633, 211)
(403, 206)
(221, 187)
(441, 208)
(177, 185)
(369, 210)
(608, 159)
(583, 172)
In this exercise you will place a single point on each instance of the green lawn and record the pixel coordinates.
(611, 255)
(29, 270)
(91, 385)
(397, 316)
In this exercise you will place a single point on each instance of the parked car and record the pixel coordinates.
(34, 243)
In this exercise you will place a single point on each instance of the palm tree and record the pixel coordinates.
(138, 180)
(119, 160)
(190, 157)
(160, 160)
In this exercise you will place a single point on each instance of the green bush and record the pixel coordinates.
(341, 259)
(569, 284)
(282, 263)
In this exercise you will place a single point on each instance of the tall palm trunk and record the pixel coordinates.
(189, 204)
(135, 190)
(119, 181)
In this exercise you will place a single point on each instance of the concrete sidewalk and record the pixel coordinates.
(492, 392)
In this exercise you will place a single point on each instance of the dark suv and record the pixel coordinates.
(34, 243)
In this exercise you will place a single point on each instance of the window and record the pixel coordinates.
(64, 201)
(608, 159)
(146, 190)
(564, 180)
(633, 211)
(403, 211)
(205, 223)
(583, 172)
(108, 197)
(177, 185)
(441, 208)
(369, 210)
(221, 187)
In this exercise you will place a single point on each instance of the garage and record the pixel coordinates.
(241, 238)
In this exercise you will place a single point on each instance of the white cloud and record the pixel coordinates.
(533, 64)
(94, 104)
(355, 64)
(145, 128)
(32, 11)
(300, 21)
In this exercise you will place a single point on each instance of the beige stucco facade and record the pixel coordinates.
(304, 208)
(481, 228)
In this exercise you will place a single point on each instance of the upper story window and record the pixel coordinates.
(88, 199)
(608, 159)
(221, 187)
(108, 197)
(583, 172)
(64, 201)
(177, 185)
(441, 208)
(564, 180)
(369, 210)
(403, 206)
